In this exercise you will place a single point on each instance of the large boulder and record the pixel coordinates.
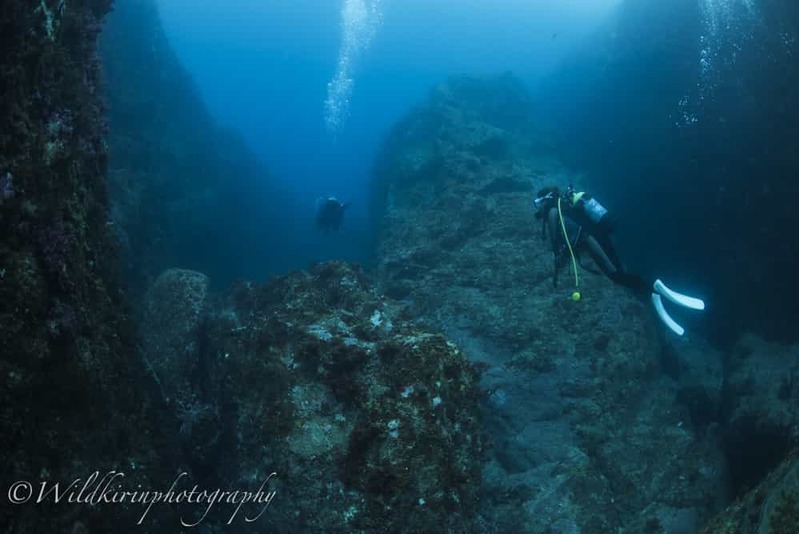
(173, 311)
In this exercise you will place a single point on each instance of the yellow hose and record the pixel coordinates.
(576, 295)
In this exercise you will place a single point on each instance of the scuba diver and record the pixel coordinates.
(330, 213)
(576, 221)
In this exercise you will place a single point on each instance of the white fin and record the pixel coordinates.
(665, 317)
(679, 298)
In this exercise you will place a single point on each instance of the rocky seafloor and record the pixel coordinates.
(451, 389)
(588, 432)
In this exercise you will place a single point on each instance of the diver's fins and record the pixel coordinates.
(665, 317)
(678, 298)
(685, 301)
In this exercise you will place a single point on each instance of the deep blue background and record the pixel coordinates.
(702, 204)
(263, 68)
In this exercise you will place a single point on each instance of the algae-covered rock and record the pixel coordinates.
(74, 397)
(369, 423)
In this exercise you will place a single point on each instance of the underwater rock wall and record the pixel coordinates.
(184, 192)
(73, 398)
(587, 431)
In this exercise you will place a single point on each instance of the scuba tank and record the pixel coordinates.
(589, 209)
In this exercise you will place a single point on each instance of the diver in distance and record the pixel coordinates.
(330, 213)
(575, 221)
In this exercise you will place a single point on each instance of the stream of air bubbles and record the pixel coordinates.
(360, 20)
(727, 27)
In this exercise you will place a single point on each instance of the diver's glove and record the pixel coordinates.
(660, 289)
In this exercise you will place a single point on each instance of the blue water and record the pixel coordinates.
(263, 69)
(678, 114)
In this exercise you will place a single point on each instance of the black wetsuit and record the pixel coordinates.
(583, 235)
(330, 214)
